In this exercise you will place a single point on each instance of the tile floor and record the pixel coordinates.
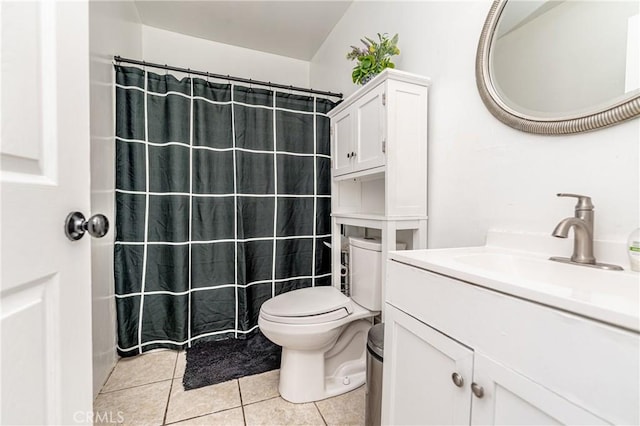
(147, 390)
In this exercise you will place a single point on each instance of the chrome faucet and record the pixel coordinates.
(582, 224)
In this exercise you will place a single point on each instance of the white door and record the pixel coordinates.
(426, 374)
(508, 398)
(370, 130)
(45, 290)
(342, 142)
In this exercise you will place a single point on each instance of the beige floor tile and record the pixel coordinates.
(197, 402)
(259, 387)
(142, 405)
(141, 370)
(181, 364)
(345, 409)
(232, 417)
(277, 411)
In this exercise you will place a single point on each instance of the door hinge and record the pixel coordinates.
(384, 99)
(384, 146)
(331, 131)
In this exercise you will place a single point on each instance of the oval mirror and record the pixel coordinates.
(560, 67)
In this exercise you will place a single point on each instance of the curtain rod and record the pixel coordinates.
(119, 59)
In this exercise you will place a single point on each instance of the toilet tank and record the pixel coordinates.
(365, 266)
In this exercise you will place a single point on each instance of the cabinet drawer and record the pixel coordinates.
(591, 364)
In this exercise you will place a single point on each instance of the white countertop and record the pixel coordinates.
(608, 296)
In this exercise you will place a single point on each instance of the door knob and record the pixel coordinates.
(75, 226)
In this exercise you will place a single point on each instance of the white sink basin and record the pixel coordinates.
(608, 296)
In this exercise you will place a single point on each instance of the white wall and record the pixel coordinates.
(114, 29)
(483, 174)
(166, 47)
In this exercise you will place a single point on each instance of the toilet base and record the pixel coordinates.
(307, 376)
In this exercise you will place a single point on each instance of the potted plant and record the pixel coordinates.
(373, 58)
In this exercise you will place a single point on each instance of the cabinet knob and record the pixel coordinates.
(353, 154)
(477, 390)
(457, 380)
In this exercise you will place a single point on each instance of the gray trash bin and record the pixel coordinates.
(375, 349)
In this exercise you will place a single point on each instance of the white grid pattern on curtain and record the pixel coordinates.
(145, 294)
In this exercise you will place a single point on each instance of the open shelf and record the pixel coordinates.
(363, 175)
(377, 221)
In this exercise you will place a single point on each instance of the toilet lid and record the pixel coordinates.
(308, 302)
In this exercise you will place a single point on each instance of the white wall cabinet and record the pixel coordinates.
(533, 364)
(379, 161)
(358, 140)
(379, 147)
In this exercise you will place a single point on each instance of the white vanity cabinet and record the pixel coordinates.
(418, 366)
(458, 353)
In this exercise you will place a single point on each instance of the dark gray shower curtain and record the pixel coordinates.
(222, 202)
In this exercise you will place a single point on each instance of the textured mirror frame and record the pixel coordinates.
(614, 113)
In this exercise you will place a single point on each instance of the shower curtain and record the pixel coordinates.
(222, 202)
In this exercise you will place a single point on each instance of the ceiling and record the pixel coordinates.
(289, 28)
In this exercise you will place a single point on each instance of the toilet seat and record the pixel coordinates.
(308, 320)
(313, 305)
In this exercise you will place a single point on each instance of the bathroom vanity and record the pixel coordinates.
(491, 335)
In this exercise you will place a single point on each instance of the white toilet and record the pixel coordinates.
(322, 332)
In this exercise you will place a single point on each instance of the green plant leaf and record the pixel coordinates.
(375, 57)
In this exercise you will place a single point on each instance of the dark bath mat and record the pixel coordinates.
(209, 363)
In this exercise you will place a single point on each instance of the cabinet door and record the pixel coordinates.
(512, 399)
(343, 142)
(370, 128)
(418, 366)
